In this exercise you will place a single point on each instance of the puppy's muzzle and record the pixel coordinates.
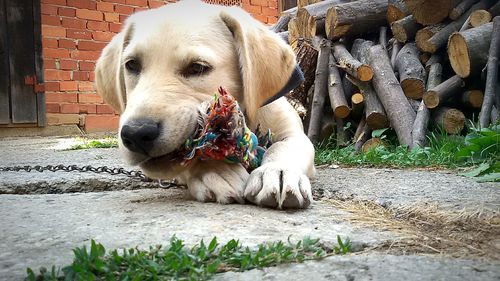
(139, 135)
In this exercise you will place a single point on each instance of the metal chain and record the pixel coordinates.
(98, 170)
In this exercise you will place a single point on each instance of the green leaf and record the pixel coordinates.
(492, 177)
(378, 133)
(476, 171)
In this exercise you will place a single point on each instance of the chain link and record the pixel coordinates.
(98, 170)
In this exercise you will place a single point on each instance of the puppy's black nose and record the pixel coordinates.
(138, 135)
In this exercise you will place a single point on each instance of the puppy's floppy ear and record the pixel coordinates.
(109, 71)
(266, 61)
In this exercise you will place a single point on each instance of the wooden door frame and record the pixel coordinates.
(37, 33)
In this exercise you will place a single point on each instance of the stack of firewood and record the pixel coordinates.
(411, 65)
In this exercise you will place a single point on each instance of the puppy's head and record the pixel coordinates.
(168, 61)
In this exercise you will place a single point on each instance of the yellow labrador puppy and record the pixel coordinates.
(166, 62)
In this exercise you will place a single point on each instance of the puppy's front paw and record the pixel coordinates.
(218, 182)
(273, 185)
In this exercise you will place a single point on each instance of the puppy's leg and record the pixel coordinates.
(283, 179)
(215, 181)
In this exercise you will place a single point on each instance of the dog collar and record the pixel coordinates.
(295, 80)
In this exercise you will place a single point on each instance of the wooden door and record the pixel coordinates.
(22, 100)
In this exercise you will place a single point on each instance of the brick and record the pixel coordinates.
(49, 43)
(88, 108)
(79, 34)
(140, 3)
(51, 87)
(104, 109)
(55, 2)
(66, 12)
(90, 45)
(86, 86)
(112, 17)
(115, 1)
(89, 98)
(122, 9)
(138, 9)
(60, 118)
(55, 53)
(83, 4)
(98, 25)
(89, 14)
(123, 18)
(92, 76)
(260, 18)
(269, 11)
(68, 64)
(155, 4)
(86, 65)
(253, 9)
(99, 123)
(105, 7)
(52, 107)
(53, 31)
(115, 27)
(67, 44)
(272, 20)
(102, 36)
(74, 23)
(49, 64)
(66, 86)
(85, 55)
(80, 75)
(48, 9)
(273, 4)
(261, 3)
(59, 98)
(57, 75)
(51, 20)
(70, 108)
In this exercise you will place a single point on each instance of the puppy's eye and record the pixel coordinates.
(134, 66)
(196, 69)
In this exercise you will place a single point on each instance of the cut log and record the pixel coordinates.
(429, 12)
(335, 91)
(363, 133)
(292, 12)
(358, 104)
(424, 34)
(307, 57)
(461, 8)
(435, 96)
(341, 134)
(320, 92)
(283, 35)
(372, 144)
(424, 58)
(374, 111)
(423, 113)
(354, 18)
(472, 98)
(349, 88)
(391, 95)
(282, 23)
(414, 104)
(303, 3)
(451, 120)
(396, 47)
(327, 127)
(311, 18)
(293, 34)
(468, 50)
(382, 38)
(495, 10)
(491, 76)
(411, 71)
(350, 65)
(435, 58)
(396, 10)
(405, 29)
(441, 38)
(479, 17)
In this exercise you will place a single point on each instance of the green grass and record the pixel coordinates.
(108, 142)
(178, 262)
(479, 148)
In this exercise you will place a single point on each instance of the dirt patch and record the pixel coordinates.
(427, 229)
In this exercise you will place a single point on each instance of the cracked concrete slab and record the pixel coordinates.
(45, 215)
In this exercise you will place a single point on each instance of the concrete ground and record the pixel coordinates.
(404, 224)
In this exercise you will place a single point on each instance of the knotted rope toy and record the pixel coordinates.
(223, 135)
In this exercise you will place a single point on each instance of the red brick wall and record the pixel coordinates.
(73, 35)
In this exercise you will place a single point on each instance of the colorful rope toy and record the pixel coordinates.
(223, 135)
